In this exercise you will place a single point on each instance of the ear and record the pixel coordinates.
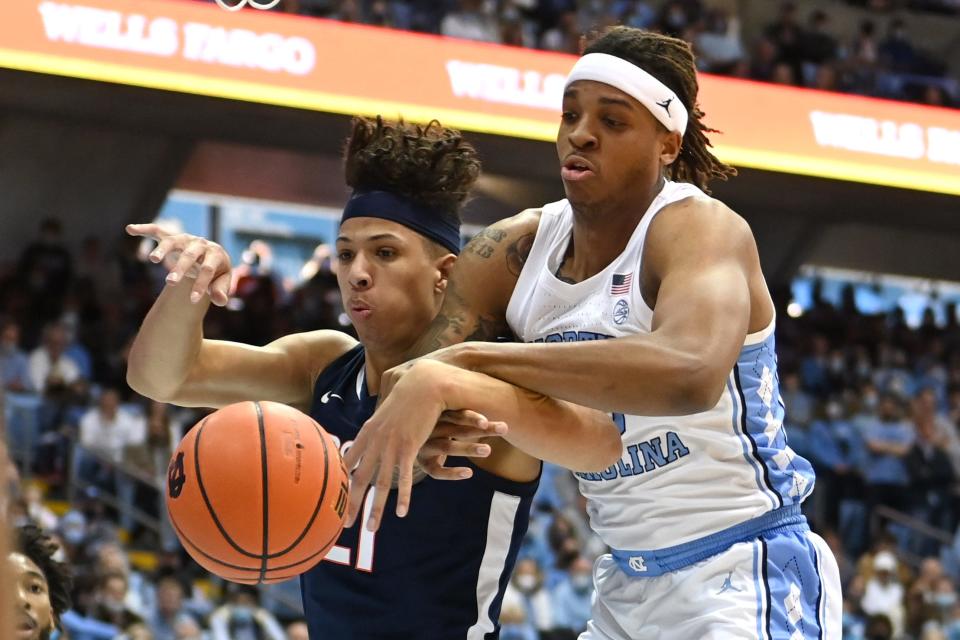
(670, 143)
(444, 265)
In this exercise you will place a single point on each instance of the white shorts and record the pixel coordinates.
(784, 586)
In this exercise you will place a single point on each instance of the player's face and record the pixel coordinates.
(390, 283)
(611, 148)
(33, 618)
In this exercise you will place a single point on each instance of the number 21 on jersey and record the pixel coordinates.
(365, 542)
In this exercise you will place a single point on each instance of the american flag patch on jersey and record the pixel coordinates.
(621, 283)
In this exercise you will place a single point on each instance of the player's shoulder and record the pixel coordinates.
(518, 225)
(699, 218)
(315, 350)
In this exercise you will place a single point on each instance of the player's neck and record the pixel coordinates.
(375, 363)
(601, 232)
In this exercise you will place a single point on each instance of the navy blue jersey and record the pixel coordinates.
(437, 574)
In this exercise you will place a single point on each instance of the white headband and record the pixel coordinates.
(635, 82)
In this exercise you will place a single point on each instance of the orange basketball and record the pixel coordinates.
(257, 492)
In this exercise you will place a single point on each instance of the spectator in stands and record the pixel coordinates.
(527, 590)
(826, 78)
(169, 610)
(864, 57)
(884, 593)
(763, 61)
(151, 455)
(718, 46)
(46, 268)
(14, 366)
(472, 21)
(572, 596)
(110, 558)
(889, 439)
(108, 428)
(936, 96)
(242, 618)
(787, 35)
(819, 45)
(896, 52)
(51, 370)
(564, 36)
(931, 478)
(97, 269)
(111, 604)
(674, 19)
(37, 510)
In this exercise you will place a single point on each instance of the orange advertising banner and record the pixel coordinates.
(259, 56)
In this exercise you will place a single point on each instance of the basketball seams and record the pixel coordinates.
(206, 498)
(185, 538)
(265, 489)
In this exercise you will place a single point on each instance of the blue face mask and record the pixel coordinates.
(945, 600)
(581, 582)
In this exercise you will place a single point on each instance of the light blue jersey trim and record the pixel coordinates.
(652, 563)
(745, 443)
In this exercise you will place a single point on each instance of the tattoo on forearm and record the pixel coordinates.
(518, 252)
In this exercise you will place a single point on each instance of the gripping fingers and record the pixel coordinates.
(208, 269)
(191, 254)
(434, 467)
(446, 446)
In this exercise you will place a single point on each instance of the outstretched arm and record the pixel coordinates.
(569, 435)
(171, 361)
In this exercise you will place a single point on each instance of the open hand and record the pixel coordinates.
(190, 257)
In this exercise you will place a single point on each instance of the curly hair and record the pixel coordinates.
(669, 60)
(32, 542)
(430, 165)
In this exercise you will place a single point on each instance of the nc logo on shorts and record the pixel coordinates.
(621, 311)
(253, 3)
(637, 564)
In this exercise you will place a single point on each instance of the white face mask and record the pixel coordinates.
(526, 582)
(581, 581)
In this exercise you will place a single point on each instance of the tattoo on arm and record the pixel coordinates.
(483, 243)
(518, 252)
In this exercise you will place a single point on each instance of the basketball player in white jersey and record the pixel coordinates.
(651, 302)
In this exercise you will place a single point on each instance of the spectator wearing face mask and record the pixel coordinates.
(111, 606)
(526, 589)
(242, 618)
(884, 592)
(571, 598)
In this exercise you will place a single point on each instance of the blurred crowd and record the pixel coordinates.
(872, 402)
(883, 56)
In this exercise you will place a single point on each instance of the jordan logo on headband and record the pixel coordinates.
(621, 74)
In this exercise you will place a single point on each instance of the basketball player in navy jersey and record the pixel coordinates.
(439, 572)
(642, 296)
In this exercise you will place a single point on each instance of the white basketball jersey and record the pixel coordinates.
(679, 478)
